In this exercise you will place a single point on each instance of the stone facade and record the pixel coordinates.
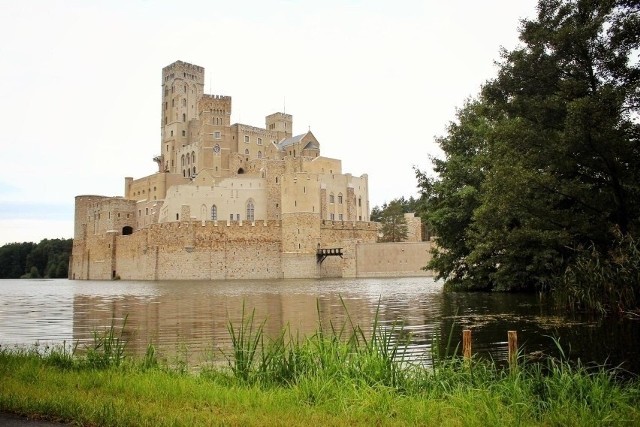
(229, 201)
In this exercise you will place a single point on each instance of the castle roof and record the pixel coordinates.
(290, 141)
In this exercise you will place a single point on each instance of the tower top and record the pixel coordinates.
(183, 70)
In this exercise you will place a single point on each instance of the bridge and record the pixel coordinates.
(323, 253)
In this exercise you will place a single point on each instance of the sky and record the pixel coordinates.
(376, 81)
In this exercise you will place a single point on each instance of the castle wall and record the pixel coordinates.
(393, 259)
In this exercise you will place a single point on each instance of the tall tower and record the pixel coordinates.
(182, 87)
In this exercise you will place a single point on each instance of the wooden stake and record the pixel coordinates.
(513, 348)
(466, 344)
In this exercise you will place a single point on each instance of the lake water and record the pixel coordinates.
(188, 320)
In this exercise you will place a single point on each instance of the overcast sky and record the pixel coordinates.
(80, 88)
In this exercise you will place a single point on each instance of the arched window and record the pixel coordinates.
(259, 154)
(183, 160)
(184, 117)
(126, 230)
(240, 171)
(193, 157)
(250, 211)
(214, 212)
(340, 198)
(194, 171)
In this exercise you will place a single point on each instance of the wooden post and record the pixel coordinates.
(466, 344)
(513, 349)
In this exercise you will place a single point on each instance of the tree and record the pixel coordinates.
(394, 225)
(545, 162)
(50, 258)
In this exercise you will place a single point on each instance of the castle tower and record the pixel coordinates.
(182, 87)
(281, 123)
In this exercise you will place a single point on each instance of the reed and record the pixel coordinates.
(340, 375)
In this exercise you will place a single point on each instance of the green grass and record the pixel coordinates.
(339, 376)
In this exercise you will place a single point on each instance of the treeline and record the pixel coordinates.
(539, 187)
(49, 258)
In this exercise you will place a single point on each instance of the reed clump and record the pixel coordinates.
(341, 375)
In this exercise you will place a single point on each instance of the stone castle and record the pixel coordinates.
(232, 201)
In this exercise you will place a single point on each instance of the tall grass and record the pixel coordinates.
(339, 375)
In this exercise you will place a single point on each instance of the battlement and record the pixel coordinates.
(280, 116)
(216, 97)
(182, 70)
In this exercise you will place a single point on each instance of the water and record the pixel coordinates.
(188, 320)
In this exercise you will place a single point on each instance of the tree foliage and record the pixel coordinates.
(394, 225)
(49, 258)
(545, 162)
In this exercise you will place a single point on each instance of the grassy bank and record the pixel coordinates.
(336, 377)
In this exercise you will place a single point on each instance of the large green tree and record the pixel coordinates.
(546, 161)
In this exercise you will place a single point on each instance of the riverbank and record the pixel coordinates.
(324, 380)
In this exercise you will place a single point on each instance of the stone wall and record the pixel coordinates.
(393, 259)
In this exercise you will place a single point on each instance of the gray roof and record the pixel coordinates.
(290, 141)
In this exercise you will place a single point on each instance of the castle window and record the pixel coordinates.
(331, 198)
(259, 141)
(246, 153)
(166, 91)
(230, 217)
(246, 138)
(259, 154)
(340, 217)
(177, 217)
(146, 211)
(184, 133)
(194, 171)
(333, 216)
(184, 174)
(214, 212)
(182, 160)
(165, 122)
(184, 102)
(217, 135)
(184, 117)
(237, 217)
(360, 201)
(193, 157)
(340, 199)
(250, 210)
(171, 135)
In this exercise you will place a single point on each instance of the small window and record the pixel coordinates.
(184, 117)
(259, 154)
(214, 212)
(331, 198)
(171, 135)
(340, 217)
(184, 133)
(339, 199)
(184, 102)
(230, 217)
(146, 211)
(259, 141)
(333, 216)
(237, 217)
(360, 201)
(250, 211)
(217, 135)
(246, 138)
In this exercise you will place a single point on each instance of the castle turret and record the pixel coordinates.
(281, 123)
(182, 87)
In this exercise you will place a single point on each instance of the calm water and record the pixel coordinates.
(188, 320)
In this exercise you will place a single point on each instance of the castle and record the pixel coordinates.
(228, 201)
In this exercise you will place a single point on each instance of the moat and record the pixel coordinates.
(188, 320)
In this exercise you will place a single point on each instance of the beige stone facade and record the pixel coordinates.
(227, 201)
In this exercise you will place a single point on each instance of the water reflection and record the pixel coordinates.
(190, 318)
